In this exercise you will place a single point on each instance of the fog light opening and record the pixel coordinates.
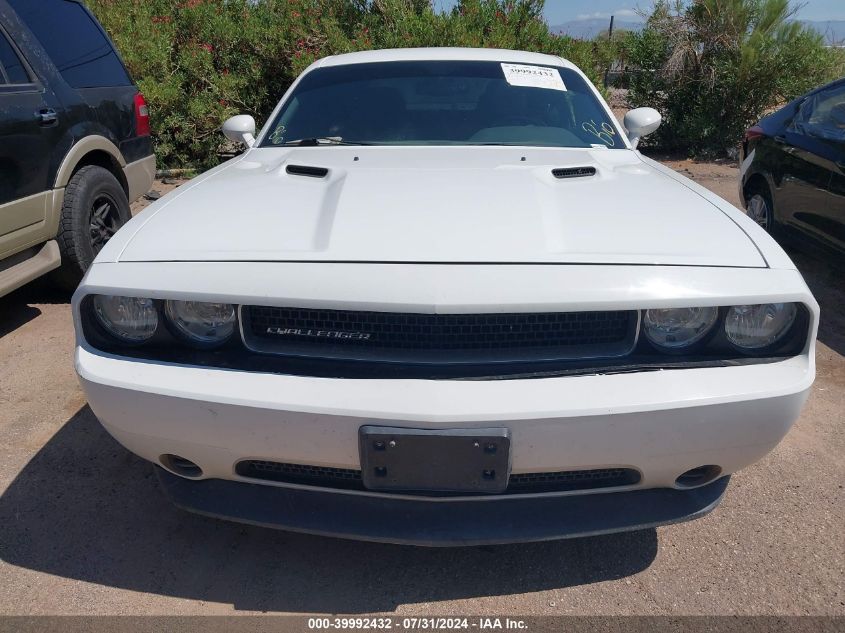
(698, 476)
(181, 466)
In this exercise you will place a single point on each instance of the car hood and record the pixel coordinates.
(435, 204)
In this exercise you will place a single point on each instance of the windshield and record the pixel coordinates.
(443, 103)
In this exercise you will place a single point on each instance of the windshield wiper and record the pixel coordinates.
(321, 140)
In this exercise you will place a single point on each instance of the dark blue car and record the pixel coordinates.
(793, 170)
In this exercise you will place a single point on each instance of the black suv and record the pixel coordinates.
(75, 144)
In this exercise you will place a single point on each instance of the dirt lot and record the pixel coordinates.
(84, 529)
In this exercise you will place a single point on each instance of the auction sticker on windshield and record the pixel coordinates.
(533, 76)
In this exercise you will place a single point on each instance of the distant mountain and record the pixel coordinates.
(832, 30)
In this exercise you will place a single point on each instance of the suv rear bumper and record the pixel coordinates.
(440, 522)
(140, 176)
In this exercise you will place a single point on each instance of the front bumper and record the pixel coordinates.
(439, 524)
(217, 418)
(659, 423)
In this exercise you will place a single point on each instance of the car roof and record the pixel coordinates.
(443, 54)
(832, 84)
(790, 108)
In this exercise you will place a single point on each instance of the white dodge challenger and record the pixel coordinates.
(441, 299)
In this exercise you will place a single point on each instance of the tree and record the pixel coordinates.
(713, 67)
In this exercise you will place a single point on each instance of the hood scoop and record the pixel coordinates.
(573, 172)
(306, 170)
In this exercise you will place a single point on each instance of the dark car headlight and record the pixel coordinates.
(130, 320)
(678, 329)
(755, 327)
(117, 322)
(757, 330)
(200, 323)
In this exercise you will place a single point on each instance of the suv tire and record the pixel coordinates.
(94, 208)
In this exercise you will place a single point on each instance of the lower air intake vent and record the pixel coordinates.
(322, 476)
(573, 172)
(573, 480)
(524, 483)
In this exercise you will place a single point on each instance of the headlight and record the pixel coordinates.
(131, 320)
(755, 327)
(203, 324)
(675, 329)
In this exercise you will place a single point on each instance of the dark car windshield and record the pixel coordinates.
(443, 103)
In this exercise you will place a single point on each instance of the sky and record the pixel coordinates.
(559, 11)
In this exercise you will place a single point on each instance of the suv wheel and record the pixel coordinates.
(95, 207)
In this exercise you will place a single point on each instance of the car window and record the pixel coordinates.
(12, 70)
(74, 41)
(445, 103)
(822, 115)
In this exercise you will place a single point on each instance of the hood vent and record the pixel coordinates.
(573, 172)
(305, 170)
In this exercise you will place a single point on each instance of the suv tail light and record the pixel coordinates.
(754, 133)
(142, 116)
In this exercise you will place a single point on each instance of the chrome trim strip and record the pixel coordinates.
(432, 499)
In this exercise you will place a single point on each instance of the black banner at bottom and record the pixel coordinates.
(307, 624)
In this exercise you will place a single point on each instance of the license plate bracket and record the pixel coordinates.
(442, 460)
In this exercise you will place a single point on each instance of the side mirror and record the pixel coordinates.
(641, 122)
(240, 129)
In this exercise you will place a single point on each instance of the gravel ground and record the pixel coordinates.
(84, 529)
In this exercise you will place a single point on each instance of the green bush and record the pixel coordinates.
(198, 62)
(714, 67)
